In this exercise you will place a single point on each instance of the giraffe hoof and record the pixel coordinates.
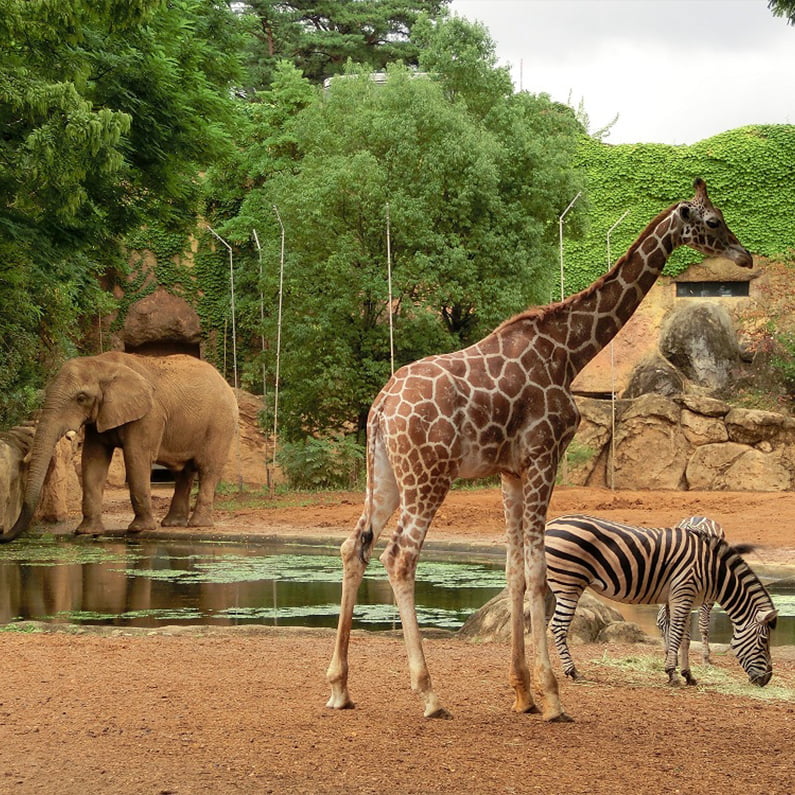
(531, 710)
(440, 713)
(560, 718)
(333, 703)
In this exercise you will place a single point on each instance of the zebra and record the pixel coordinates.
(706, 527)
(642, 565)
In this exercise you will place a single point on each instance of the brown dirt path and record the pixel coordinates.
(242, 711)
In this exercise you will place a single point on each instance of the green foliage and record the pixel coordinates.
(108, 112)
(321, 37)
(783, 362)
(328, 463)
(783, 8)
(748, 172)
(471, 205)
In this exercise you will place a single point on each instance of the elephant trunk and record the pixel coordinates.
(47, 435)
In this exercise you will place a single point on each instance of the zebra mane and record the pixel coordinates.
(730, 554)
(716, 543)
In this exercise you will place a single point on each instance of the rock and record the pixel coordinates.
(654, 374)
(709, 407)
(736, 467)
(751, 426)
(651, 450)
(756, 471)
(699, 339)
(161, 323)
(622, 632)
(707, 465)
(700, 429)
(250, 458)
(60, 492)
(493, 621)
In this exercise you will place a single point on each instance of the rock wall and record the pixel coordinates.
(686, 442)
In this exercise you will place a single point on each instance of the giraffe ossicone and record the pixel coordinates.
(501, 406)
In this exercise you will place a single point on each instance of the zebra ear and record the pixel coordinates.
(767, 616)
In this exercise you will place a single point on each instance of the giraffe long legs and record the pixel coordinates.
(528, 497)
(400, 562)
(519, 673)
(355, 552)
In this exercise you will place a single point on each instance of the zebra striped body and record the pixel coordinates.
(705, 527)
(643, 565)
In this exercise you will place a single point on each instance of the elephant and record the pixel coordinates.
(177, 411)
(15, 446)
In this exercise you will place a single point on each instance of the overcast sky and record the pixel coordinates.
(675, 71)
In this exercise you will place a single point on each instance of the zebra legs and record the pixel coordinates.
(559, 625)
(677, 639)
(703, 627)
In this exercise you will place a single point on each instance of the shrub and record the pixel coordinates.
(325, 463)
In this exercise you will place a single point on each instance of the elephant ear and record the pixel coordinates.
(126, 396)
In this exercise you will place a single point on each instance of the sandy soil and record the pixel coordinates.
(242, 710)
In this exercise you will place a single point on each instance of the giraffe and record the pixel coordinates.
(501, 406)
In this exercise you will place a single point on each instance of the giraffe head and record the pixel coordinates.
(704, 229)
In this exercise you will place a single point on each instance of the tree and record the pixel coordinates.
(783, 8)
(320, 37)
(472, 209)
(107, 111)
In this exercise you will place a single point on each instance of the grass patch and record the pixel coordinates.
(648, 670)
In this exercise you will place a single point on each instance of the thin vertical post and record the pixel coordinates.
(389, 292)
(261, 315)
(278, 344)
(560, 237)
(613, 373)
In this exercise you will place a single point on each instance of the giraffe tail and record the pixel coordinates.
(367, 536)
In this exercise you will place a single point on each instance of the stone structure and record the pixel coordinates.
(685, 442)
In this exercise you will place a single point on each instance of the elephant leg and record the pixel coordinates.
(177, 515)
(94, 466)
(205, 500)
(139, 475)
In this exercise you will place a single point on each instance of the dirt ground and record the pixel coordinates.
(242, 710)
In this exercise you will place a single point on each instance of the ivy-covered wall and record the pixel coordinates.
(750, 175)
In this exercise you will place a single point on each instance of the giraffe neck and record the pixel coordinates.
(595, 315)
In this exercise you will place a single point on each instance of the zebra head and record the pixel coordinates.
(751, 644)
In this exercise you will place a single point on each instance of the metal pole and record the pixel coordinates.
(560, 234)
(389, 291)
(278, 343)
(261, 315)
(613, 373)
(232, 297)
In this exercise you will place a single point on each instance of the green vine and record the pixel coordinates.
(749, 174)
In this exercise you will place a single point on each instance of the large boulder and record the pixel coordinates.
(654, 374)
(493, 621)
(161, 323)
(737, 467)
(650, 448)
(700, 340)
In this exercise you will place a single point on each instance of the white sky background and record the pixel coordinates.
(675, 71)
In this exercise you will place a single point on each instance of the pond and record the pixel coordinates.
(152, 583)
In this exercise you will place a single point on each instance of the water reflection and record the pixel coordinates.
(152, 583)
